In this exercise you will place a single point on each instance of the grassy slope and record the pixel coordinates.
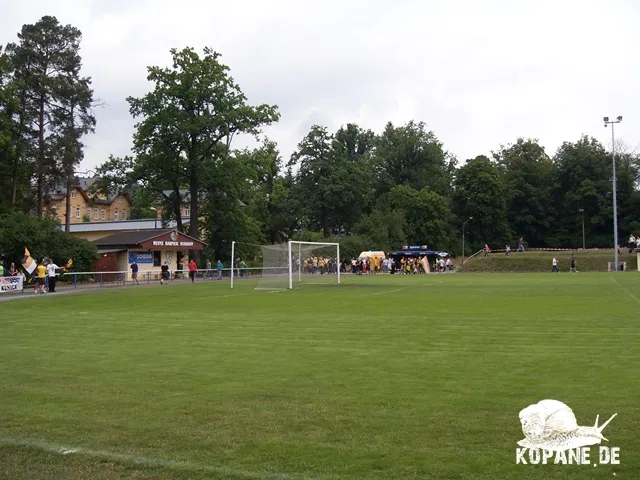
(385, 377)
(541, 261)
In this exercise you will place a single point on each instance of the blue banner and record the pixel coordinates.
(416, 247)
(141, 257)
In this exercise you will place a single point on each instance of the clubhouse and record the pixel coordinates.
(150, 249)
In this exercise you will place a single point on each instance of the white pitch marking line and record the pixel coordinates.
(631, 295)
(399, 289)
(152, 462)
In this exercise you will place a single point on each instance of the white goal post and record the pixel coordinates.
(285, 265)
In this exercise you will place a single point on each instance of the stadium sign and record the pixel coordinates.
(175, 240)
(553, 436)
(11, 284)
(170, 243)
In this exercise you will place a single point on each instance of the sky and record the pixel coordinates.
(480, 74)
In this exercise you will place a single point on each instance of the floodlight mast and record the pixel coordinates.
(615, 200)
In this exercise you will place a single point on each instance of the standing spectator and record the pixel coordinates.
(164, 273)
(572, 264)
(632, 242)
(209, 270)
(244, 271)
(134, 272)
(521, 245)
(554, 263)
(41, 275)
(507, 250)
(51, 273)
(13, 272)
(219, 267)
(193, 268)
(486, 250)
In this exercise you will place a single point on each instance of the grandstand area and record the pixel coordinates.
(380, 377)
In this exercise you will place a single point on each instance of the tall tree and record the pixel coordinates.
(45, 53)
(413, 156)
(190, 117)
(73, 119)
(313, 189)
(427, 214)
(266, 191)
(353, 172)
(332, 185)
(529, 180)
(9, 133)
(583, 187)
(480, 192)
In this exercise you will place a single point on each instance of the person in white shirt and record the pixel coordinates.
(555, 265)
(51, 273)
(632, 242)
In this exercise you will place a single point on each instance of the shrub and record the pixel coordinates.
(43, 238)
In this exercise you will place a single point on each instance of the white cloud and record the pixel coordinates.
(480, 74)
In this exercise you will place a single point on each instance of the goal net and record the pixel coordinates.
(292, 264)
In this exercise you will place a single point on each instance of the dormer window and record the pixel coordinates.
(73, 194)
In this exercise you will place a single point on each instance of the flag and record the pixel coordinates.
(28, 263)
(69, 263)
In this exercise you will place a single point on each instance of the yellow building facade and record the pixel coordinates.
(87, 205)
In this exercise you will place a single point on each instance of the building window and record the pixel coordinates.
(187, 211)
(54, 210)
(77, 212)
(89, 213)
(157, 258)
(115, 214)
(95, 214)
(103, 214)
(73, 194)
(124, 214)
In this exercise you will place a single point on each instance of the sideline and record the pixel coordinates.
(145, 461)
(66, 290)
(385, 292)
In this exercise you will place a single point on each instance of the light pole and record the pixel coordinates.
(463, 225)
(155, 224)
(583, 237)
(615, 201)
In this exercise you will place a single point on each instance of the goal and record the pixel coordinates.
(295, 263)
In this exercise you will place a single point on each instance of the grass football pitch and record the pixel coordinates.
(384, 377)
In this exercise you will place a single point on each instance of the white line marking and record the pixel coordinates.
(631, 295)
(150, 462)
(399, 289)
(211, 297)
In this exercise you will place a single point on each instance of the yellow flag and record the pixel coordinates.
(69, 263)
(28, 263)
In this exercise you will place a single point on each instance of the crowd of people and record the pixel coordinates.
(372, 265)
(634, 243)
(44, 275)
(403, 266)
